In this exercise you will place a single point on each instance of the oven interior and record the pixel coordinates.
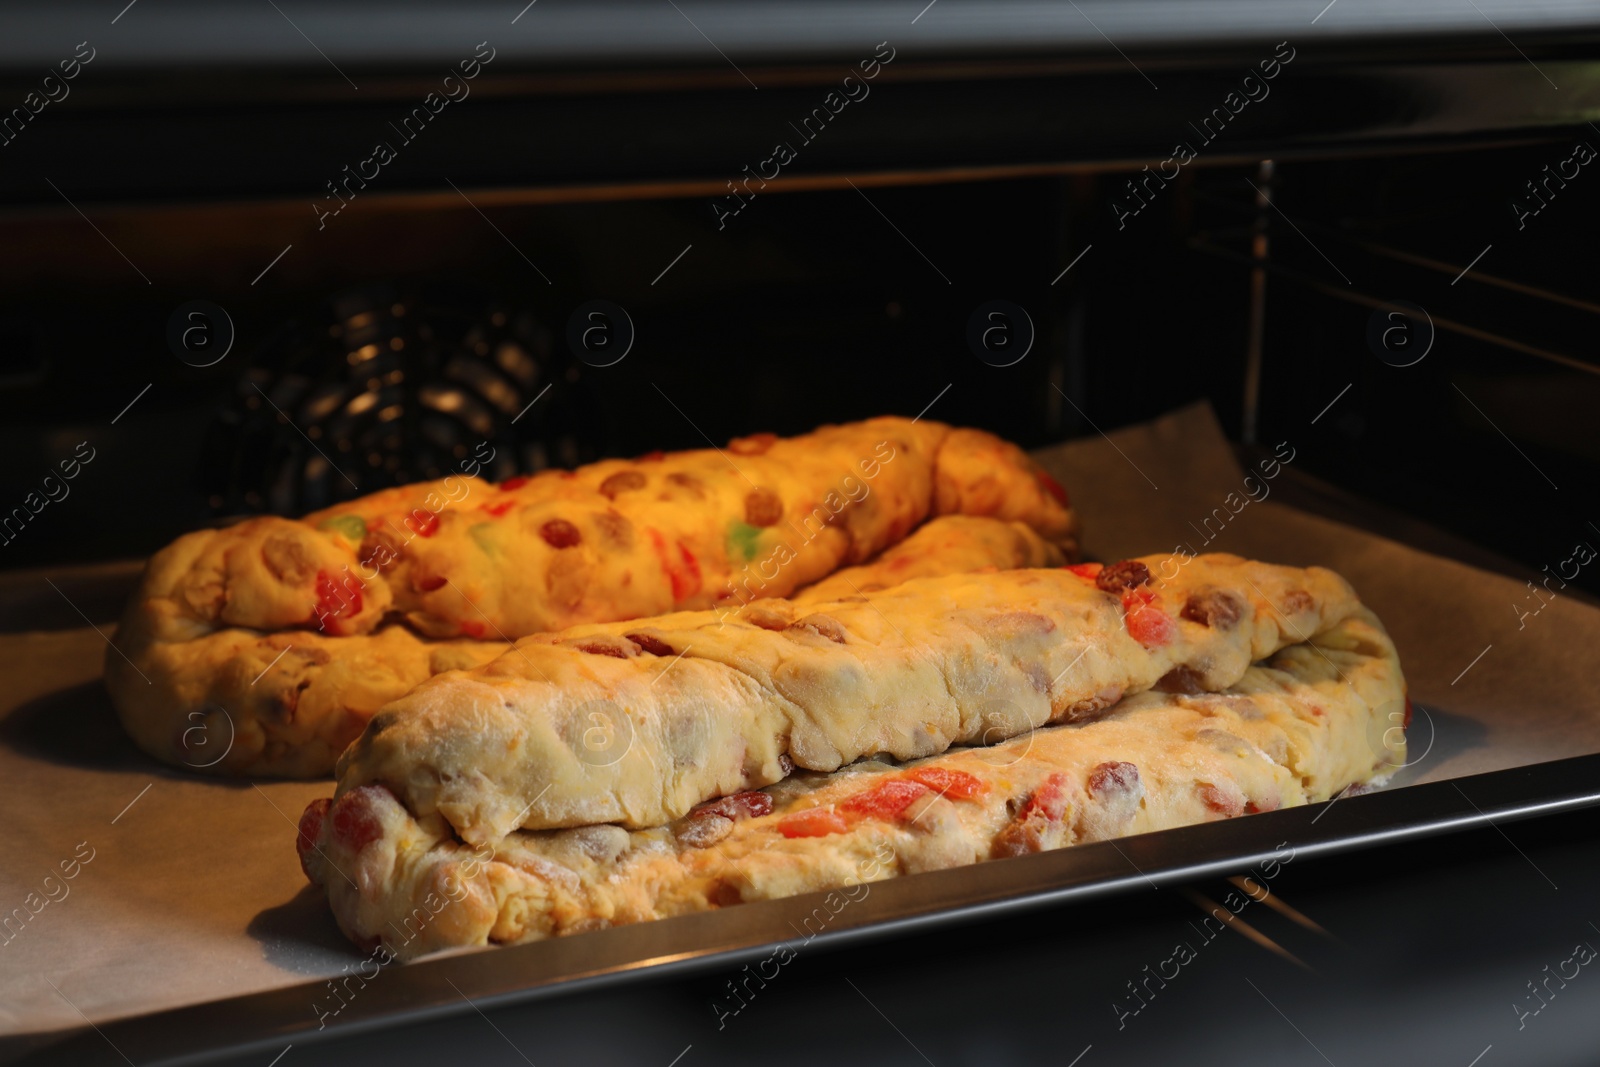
(1382, 265)
(409, 332)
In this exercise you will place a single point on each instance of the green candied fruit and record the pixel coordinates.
(484, 534)
(352, 528)
(742, 540)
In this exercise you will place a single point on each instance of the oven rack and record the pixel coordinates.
(1233, 244)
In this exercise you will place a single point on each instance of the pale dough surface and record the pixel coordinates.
(635, 723)
(247, 702)
(1314, 718)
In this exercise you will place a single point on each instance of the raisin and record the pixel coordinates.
(287, 560)
(710, 823)
(747, 805)
(1019, 623)
(699, 831)
(1120, 577)
(598, 648)
(653, 645)
(559, 533)
(1113, 777)
(762, 507)
(1216, 608)
(622, 482)
(1090, 709)
(822, 626)
(694, 485)
(1182, 679)
(1116, 794)
(785, 764)
(615, 530)
(766, 618)
(428, 585)
(317, 656)
(1038, 677)
(1296, 601)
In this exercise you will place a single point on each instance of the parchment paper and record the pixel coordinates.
(193, 892)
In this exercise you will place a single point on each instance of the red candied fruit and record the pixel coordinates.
(689, 572)
(1049, 800)
(957, 784)
(428, 585)
(1221, 801)
(1146, 622)
(812, 822)
(682, 568)
(310, 829)
(886, 800)
(501, 508)
(422, 522)
(473, 628)
(1054, 488)
(335, 598)
(355, 824)
(513, 483)
(1087, 571)
(1036, 826)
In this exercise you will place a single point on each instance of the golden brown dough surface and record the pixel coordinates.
(617, 539)
(242, 702)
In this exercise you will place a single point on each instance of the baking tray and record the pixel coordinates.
(193, 895)
(266, 1023)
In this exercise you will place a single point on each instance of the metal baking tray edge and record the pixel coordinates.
(440, 986)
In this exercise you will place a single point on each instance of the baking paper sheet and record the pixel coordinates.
(191, 891)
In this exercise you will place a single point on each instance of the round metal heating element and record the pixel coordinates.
(383, 388)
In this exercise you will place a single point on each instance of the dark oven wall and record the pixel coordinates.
(410, 335)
